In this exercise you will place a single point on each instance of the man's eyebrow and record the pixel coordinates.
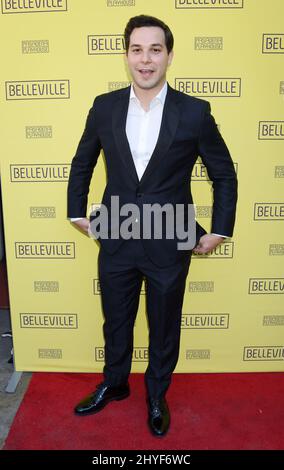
(152, 45)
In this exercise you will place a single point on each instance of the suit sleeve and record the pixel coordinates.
(216, 157)
(82, 167)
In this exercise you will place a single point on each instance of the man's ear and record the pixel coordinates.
(170, 58)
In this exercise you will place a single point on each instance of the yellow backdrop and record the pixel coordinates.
(56, 56)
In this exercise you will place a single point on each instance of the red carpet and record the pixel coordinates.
(4, 296)
(209, 411)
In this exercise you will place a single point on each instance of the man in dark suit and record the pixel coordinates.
(151, 135)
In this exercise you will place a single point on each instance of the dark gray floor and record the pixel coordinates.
(9, 402)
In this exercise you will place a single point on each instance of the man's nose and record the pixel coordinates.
(146, 57)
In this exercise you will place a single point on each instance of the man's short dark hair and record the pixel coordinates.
(145, 20)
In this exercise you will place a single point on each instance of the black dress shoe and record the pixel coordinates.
(97, 400)
(158, 416)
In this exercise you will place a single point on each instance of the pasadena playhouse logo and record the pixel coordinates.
(38, 132)
(209, 4)
(197, 354)
(208, 43)
(112, 86)
(39, 173)
(42, 212)
(201, 286)
(33, 6)
(120, 3)
(276, 249)
(273, 320)
(101, 44)
(60, 321)
(273, 43)
(50, 353)
(39, 46)
(279, 171)
(46, 286)
(207, 86)
(203, 212)
(37, 90)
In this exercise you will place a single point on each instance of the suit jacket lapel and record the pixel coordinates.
(119, 117)
(167, 132)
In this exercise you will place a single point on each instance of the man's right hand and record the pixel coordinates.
(83, 224)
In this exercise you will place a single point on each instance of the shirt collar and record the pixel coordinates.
(161, 96)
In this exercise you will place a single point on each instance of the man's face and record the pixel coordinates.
(148, 57)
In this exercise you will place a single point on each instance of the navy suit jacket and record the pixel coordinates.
(188, 130)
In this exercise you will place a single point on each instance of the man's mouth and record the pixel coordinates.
(146, 72)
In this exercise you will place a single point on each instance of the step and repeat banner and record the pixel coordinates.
(56, 56)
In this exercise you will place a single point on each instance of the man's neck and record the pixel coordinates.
(145, 96)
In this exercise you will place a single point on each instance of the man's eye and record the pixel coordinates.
(156, 50)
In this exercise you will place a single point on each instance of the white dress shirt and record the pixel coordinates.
(142, 130)
(143, 127)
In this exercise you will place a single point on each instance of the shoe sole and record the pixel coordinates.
(92, 412)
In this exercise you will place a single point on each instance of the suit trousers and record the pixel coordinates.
(121, 275)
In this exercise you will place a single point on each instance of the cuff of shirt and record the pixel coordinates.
(218, 235)
(73, 219)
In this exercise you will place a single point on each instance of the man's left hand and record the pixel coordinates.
(207, 243)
